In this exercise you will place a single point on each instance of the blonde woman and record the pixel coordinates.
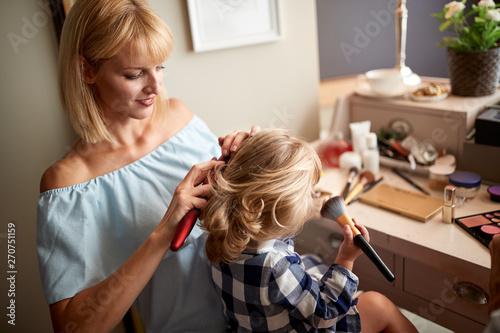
(103, 226)
(261, 198)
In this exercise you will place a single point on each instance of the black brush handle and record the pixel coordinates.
(345, 191)
(373, 256)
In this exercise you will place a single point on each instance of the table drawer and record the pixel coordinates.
(320, 237)
(363, 267)
(437, 287)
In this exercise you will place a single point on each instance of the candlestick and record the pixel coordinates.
(401, 19)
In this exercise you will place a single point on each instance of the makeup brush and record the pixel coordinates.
(353, 171)
(366, 189)
(366, 177)
(334, 209)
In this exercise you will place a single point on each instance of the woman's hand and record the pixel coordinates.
(189, 194)
(139, 267)
(230, 143)
(349, 251)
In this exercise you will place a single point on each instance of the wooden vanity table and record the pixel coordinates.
(444, 123)
(427, 258)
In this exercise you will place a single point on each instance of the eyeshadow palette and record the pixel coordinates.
(481, 226)
(413, 204)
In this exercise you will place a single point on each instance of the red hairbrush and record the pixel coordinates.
(187, 223)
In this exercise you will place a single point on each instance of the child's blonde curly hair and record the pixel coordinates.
(264, 192)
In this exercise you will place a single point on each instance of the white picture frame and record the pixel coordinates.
(221, 24)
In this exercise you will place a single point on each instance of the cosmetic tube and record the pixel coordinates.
(449, 204)
(359, 131)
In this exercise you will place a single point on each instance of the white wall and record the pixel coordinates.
(273, 84)
(269, 84)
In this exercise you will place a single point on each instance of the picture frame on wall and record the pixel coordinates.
(222, 24)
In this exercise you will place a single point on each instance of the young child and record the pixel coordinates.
(261, 199)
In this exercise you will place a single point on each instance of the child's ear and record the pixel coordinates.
(88, 72)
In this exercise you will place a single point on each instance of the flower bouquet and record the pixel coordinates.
(476, 30)
(473, 54)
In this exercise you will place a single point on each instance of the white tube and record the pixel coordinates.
(359, 131)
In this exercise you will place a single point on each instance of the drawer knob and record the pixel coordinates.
(470, 292)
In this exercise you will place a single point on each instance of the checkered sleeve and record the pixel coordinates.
(323, 302)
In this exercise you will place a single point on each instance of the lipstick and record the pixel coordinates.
(449, 204)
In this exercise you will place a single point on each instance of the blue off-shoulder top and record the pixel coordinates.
(85, 232)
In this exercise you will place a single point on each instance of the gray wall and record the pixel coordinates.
(267, 84)
(367, 30)
(33, 133)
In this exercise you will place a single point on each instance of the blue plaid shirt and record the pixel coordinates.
(273, 290)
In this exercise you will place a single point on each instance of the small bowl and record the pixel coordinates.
(494, 192)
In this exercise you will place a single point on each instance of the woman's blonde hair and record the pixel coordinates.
(97, 30)
(264, 192)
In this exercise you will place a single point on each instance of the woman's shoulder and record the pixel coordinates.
(69, 170)
(179, 109)
(79, 164)
(177, 116)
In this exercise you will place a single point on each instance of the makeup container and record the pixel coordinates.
(359, 131)
(371, 157)
(449, 204)
(350, 159)
(446, 160)
(439, 176)
(335, 148)
(481, 226)
(494, 192)
(467, 185)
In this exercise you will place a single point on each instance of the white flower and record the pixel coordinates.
(493, 15)
(454, 8)
(486, 3)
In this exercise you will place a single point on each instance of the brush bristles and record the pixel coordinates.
(333, 208)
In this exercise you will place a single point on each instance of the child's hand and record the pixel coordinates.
(349, 251)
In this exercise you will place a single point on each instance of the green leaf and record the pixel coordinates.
(476, 34)
(445, 25)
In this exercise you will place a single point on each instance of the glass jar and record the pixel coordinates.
(494, 192)
(467, 185)
(439, 176)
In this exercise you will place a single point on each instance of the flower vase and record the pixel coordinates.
(474, 73)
